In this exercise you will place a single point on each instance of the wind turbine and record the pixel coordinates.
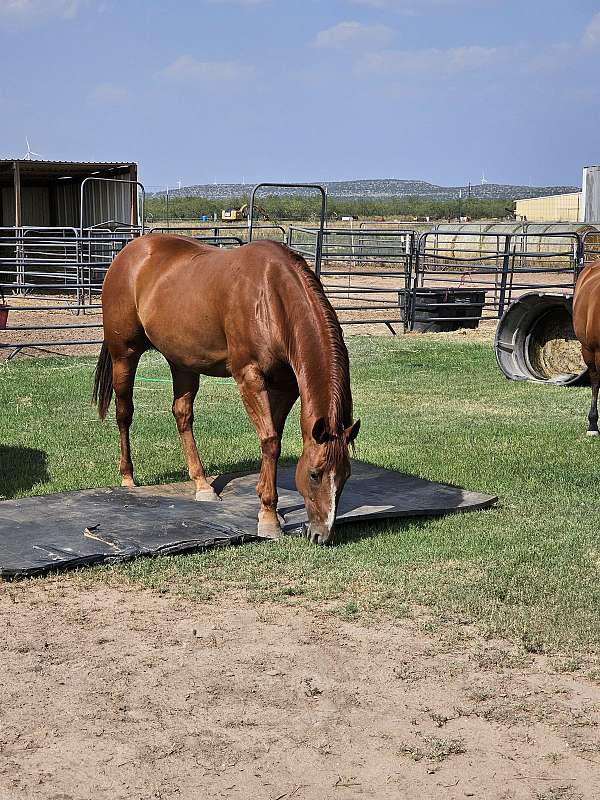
(29, 153)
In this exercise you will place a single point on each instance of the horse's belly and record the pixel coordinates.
(196, 348)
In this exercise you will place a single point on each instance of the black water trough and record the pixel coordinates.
(443, 309)
(535, 341)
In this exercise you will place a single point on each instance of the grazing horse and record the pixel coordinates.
(256, 313)
(586, 324)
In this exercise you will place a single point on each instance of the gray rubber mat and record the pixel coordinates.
(60, 531)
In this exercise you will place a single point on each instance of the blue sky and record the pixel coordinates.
(225, 90)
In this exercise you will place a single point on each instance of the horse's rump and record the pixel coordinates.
(586, 307)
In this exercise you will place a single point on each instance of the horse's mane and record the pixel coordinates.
(340, 411)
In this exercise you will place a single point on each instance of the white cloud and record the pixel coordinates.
(187, 69)
(591, 37)
(108, 94)
(26, 12)
(354, 35)
(432, 61)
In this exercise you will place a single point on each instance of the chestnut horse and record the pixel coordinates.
(586, 324)
(256, 313)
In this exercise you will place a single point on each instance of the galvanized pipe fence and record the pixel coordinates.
(51, 278)
(465, 277)
(365, 272)
(51, 281)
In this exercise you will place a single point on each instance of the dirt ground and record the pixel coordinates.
(54, 311)
(109, 692)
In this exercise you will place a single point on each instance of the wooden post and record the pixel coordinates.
(19, 260)
(134, 194)
(17, 177)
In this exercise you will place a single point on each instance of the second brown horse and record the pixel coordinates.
(586, 324)
(256, 313)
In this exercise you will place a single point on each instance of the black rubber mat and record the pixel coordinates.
(60, 531)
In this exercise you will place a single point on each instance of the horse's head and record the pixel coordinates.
(323, 469)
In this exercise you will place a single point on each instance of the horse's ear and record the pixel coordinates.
(351, 433)
(319, 431)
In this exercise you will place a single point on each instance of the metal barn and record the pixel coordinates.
(52, 194)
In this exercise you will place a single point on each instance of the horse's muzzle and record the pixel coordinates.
(315, 536)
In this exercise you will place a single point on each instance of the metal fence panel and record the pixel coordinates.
(51, 278)
(487, 271)
(366, 273)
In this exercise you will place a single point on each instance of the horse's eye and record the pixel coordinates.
(315, 475)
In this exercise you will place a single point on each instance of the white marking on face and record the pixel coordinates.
(331, 516)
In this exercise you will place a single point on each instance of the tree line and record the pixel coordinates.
(297, 207)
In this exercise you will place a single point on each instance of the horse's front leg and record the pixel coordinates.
(253, 389)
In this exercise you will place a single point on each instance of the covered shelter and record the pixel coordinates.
(48, 194)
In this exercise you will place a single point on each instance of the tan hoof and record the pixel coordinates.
(128, 483)
(207, 496)
(592, 433)
(269, 529)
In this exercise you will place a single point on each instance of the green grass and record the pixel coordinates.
(436, 407)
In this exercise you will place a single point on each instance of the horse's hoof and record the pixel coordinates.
(207, 496)
(128, 483)
(592, 433)
(269, 530)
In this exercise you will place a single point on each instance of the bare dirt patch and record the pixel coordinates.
(110, 692)
(37, 326)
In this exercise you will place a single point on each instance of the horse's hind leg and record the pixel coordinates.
(123, 371)
(594, 368)
(185, 388)
(592, 360)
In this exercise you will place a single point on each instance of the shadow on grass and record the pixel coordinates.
(366, 529)
(20, 469)
(228, 472)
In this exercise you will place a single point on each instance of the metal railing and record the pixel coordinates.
(199, 235)
(51, 278)
(322, 190)
(366, 273)
(219, 233)
(590, 247)
(486, 272)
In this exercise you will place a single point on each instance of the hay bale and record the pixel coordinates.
(554, 350)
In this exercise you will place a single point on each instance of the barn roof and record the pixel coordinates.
(40, 170)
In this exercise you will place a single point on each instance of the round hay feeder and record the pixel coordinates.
(535, 341)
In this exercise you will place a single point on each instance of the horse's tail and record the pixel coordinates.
(103, 385)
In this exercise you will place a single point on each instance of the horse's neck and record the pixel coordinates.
(315, 363)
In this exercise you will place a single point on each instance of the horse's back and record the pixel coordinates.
(195, 303)
(586, 307)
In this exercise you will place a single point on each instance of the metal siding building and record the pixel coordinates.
(552, 208)
(581, 206)
(48, 193)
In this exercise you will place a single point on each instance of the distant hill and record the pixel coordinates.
(384, 188)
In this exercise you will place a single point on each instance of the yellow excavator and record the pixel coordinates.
(237, 214)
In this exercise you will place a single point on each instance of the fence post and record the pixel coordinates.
(413, 281)
(408, 269)
(579, 256)
(505, 271)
